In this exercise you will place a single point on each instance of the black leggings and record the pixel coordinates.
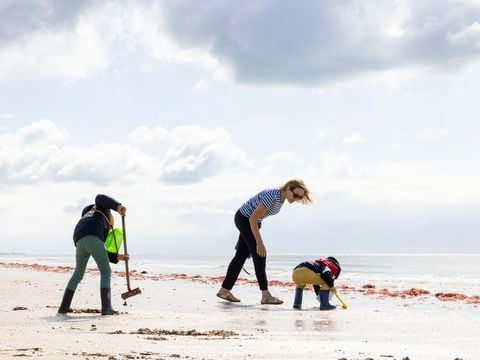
(246, 246)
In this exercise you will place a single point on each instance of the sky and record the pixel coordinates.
(182, 110)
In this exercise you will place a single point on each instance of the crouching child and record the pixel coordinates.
(320, 273)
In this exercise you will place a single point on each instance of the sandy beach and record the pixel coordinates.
(178, 316)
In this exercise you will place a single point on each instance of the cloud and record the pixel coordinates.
(468, 37)
(324, 133)
(43, 131)
(201, 86)
(57, 39)
(261, 42)
(280, 42)
(355, 138)
(433, 133)
(396, 182)
(37, 152)
(146, 135)
(196, 153)
(396, 145)
(22, 18)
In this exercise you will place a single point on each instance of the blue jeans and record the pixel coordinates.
(86, 247)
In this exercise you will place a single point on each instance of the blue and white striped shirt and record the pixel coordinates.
(270, 198)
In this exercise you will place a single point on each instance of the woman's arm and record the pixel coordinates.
(103, 202)
(258, 214)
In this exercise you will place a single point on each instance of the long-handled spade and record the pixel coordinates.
(131, 292)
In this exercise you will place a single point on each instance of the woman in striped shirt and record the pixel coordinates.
(248, 220)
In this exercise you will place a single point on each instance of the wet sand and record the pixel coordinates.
(178, 316)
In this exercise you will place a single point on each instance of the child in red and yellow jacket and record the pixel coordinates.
(321, 273)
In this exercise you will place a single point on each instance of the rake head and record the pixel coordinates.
(131, 293)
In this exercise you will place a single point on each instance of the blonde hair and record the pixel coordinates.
(296, 183)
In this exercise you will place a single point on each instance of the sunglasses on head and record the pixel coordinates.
(295, 195)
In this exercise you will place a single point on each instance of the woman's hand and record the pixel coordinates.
(261, 250)
(254, 220)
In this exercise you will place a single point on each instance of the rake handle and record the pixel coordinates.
(127, 272)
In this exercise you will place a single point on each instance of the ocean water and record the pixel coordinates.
(433, 272)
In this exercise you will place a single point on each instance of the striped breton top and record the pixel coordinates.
(270, 198)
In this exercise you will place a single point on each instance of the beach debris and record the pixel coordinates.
(413, 292)
(19, 308)
(30, 349)
(193, 332)
(450, 296)
(86, 311)
(458, 297)
(368, 286)
(473, 300)
(156, 338)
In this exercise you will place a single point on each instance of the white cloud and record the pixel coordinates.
(43, 131)
(201, 86)
(396, 145)
(147, 135)
(324, 133)
(398, 182)
(35, 153)
(355, 138)
(468, 37)
(45, 54)
(430, 133)
(197, 152)
(284, 156)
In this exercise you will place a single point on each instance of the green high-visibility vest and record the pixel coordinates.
(114, 235)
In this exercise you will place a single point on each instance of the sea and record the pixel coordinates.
(459, 273)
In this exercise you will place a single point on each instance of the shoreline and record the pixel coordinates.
(179, 316)
(366, 289)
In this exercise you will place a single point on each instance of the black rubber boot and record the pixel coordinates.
(66, 302)
(324, 302)
(297, 302)
(106, 302)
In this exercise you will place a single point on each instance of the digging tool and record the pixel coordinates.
(344, 306)
(131, 292)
